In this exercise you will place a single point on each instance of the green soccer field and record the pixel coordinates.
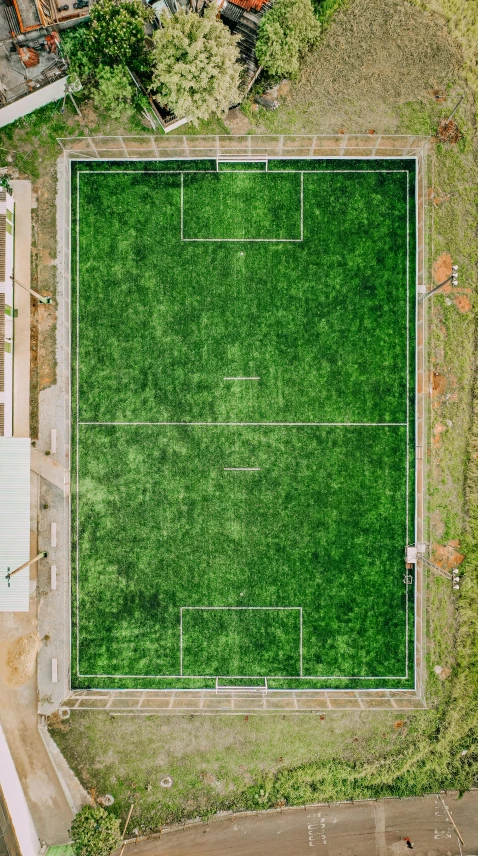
(243, 410)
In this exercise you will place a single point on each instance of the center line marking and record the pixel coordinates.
(242, 469)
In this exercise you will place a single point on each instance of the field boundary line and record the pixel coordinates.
(246, 424)
(77, 423)
(264, 424)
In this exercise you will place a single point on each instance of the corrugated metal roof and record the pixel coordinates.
(14, 522)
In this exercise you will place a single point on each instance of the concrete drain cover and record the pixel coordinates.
(166, 782)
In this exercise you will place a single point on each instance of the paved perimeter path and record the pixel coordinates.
(359, 829)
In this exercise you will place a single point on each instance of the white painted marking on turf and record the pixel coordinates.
(273, 678)
(407, 488)
(249, 240)
(300, 643)
(313, 424)
(241, 378)
(77, 423)
(234, 609)
(302, 206)
(242, 469)
(182, 205)
(181, 640)
(264, 424)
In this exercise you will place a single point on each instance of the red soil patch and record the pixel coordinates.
(438, 384)
(438, 430)
(442, 268)
(436, 195)
(462, 303)
(447, 556)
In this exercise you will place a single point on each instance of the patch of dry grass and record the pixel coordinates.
(462, 21)
(374, 56)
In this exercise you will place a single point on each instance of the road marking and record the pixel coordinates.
(380, 840)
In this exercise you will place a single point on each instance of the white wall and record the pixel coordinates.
(32, 102)
(6, 288)
(16, 802)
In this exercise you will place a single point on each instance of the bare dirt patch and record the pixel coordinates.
(442, 268)
(462, 303)
(237, 121)
(438, 430)
(438, 384)
(21, 659)
(446, 556)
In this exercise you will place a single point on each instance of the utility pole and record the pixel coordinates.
(32, 292)
(453, 276)
(10, 573)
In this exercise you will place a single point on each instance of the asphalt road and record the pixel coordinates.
(358, 829)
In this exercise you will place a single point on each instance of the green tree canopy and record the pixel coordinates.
(114, 92)
(117, 31)
(286, 34)
(94, 832)
(195, 68)
(114, 36)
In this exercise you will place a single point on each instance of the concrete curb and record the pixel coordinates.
(75, 794)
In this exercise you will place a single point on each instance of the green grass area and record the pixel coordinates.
(323, 321)
(313, 527)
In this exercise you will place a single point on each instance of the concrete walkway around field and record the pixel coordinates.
(22, 194)
(369, 828)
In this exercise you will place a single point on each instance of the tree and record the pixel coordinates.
(117, 34)
(195, 68)
(286, 34)
(114, 36)
(94, 832)
(114, 91)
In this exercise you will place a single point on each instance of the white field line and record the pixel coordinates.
(407, 489)
(242, 469)
(247, 240)
(241, 609)
(265, 424)
(241, 378)
(302, 206)
(270, 678)
(77, 423)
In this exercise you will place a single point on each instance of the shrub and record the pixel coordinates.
(94, 832)
(114, 92)
(286, 34)
(195, 69)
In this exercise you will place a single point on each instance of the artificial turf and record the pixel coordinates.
(327, 325)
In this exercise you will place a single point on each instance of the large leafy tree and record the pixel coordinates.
(94, 832)
(114, 36)
(286, 34)
(195, 68)
(117, 31)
